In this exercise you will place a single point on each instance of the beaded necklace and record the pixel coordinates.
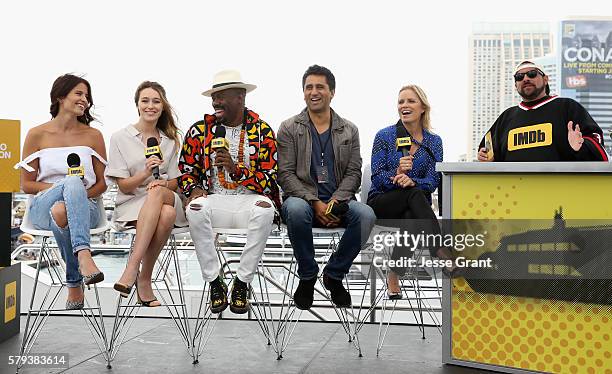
(221, 172)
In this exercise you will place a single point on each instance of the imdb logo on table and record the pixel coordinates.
(9, 155)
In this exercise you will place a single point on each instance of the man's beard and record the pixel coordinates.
(534, 95)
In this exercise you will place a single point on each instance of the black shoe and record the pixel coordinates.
(339, 295)
(218, 295)
(239, 303)
(304, 294)
(394, 295)
(454, 272)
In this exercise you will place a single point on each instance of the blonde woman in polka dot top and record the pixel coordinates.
(402, 185)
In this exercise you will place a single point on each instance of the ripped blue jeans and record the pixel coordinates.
(83, 214)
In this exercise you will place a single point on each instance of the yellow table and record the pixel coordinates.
(520, 334)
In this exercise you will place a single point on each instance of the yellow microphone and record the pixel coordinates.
(219, 140)
(489, 146)
(403, 145)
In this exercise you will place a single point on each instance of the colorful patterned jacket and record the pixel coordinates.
(260, 176)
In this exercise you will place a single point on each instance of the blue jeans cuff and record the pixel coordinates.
(333, 276)
(308, 277)
(80, 247)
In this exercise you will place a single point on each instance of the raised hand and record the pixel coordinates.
(574, 136)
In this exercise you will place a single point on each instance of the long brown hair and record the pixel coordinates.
(167, 120)
(62, 87)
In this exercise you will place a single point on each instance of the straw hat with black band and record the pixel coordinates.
(226, 79)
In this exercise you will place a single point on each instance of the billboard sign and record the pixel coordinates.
(586, 55)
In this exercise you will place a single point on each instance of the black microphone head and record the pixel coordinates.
(152, 142)
(340, 209)
(73, 160)
(220, 131)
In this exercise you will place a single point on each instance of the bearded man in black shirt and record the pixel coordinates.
(542, 127)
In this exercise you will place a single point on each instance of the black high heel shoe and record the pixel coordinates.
(453, 271)
(76, 304)
(95, 277)
(125, 289)
(148, 302)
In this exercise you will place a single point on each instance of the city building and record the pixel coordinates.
(550, 64)
(494, 51)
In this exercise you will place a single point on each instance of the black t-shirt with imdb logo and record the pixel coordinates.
(537, 131)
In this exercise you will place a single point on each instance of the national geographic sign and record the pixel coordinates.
(9, 155)
(9, 275)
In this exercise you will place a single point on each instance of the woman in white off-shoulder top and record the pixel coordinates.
(66, 204)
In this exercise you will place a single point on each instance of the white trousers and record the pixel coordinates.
(230, 212)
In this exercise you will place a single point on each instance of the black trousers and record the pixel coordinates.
(411, 212)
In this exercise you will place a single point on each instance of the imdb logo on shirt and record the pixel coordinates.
(530, 137)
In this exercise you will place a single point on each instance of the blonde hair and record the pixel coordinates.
(425, 117)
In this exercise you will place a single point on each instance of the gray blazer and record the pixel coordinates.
(294, 155)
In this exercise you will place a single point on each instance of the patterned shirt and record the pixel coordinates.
(232, 134)
(195, 162)
(385, 160)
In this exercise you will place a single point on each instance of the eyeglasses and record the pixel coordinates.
(531, 74)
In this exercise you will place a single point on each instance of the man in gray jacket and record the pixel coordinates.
(320, 172)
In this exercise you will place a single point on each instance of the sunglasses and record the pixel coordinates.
(531, 74)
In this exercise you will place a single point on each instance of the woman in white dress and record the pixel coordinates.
(144, 202)
(67, 204)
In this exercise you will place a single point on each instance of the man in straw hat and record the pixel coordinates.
(542, 127)
(229, 171)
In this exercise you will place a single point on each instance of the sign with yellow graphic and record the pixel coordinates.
(10, 294)
(532, 333)
(530, 137)
(10, 301)
(10, 154)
